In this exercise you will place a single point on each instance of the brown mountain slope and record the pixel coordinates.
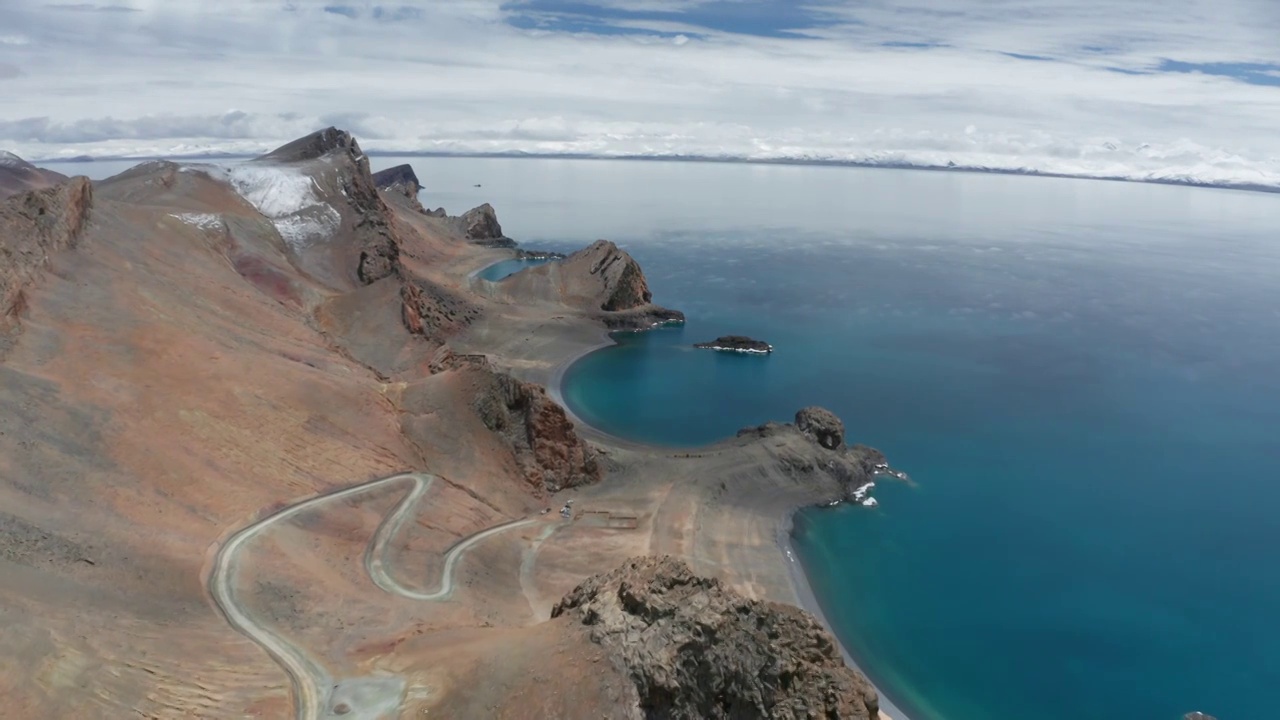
(211, 380)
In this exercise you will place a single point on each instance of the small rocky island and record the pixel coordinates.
(737, 344)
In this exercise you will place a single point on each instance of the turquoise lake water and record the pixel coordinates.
(500, 270)
(1082, 378)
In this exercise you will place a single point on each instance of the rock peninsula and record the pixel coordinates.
(270, 451)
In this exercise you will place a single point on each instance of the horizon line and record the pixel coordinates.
(694, 158)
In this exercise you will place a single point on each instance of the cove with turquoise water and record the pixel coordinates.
(504, 268)
(1080, 377)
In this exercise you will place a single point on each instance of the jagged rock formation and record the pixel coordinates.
(18, 175)
(433, 312)
(403, 180)
(34, 226)
(623, 283)
(548, 450)
(601, 279)
(696, 649)
(822, 426)
(480, 225)
(736, 344)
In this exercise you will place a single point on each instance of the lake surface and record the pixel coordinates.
(1082, 378)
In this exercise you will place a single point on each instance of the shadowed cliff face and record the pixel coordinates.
(34, 226)
(18, 176)
(696, 649)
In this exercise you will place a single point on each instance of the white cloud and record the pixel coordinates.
(455, 77)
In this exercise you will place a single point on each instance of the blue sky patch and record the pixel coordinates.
(761, 18)
(1024, 56)
(911, 45)
(1252, 73)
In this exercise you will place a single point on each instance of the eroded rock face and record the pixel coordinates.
(403, 180)
(547, 448)
(433, 312)
(480, 225)
(822, 426)
(623, 283)
(33, 226)
(696, 649)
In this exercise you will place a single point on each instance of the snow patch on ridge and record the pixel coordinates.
(204, 221)
(286, 196)
(8, 159)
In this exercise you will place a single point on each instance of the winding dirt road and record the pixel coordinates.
(312, 684)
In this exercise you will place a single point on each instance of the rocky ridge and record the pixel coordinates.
(335, 162)
(33, 227)
(694, 648)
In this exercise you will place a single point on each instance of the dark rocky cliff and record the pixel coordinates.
(696, 649)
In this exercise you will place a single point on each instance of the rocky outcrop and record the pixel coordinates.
(1198, 716)
(33, 227)
(480, 226)
(848, 467)
(696, 649)
(623, 285)
(737, 344)
(602, 280)
(18, 176)
(547, 448)
(433, 312)
(403, 180)
(522, 254)
(822, 426)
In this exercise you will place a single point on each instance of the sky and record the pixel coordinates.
(1184, 90)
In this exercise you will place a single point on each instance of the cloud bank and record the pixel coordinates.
(1187, 90)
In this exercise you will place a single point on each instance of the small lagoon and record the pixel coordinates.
(505, 268)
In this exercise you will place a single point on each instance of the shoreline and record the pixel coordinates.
(783, 517)
(807, 601)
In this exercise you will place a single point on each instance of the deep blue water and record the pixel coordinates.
(1081, 378)
(1092, 436)
(500, 270)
